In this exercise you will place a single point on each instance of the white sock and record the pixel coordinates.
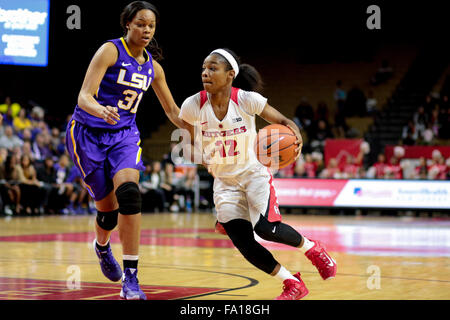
(130, 257)
(284, 274)
(306, 245)
(102, 244)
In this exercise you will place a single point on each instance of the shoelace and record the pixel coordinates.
(322, 257)
(293, 291)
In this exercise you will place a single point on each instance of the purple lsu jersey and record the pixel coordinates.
(122, 86)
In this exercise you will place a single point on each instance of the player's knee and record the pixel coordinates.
(107, 220)
(265, 229)
(129, 198)
(240, 232)
(277, 232)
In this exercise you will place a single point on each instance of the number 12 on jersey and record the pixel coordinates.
(231, 144)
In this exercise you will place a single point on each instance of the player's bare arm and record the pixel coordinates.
(272, 115)
(105, 57)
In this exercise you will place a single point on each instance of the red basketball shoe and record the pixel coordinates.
(220, 229)
(320, 258)
(293, 290)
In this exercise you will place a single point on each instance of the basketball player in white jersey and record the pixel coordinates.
(223, 116)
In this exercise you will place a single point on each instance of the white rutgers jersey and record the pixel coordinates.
(228, 144)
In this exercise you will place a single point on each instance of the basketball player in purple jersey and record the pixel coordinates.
(103, 139)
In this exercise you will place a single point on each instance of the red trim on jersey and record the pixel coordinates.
(273, 211)
(204, 96)
(234, 95)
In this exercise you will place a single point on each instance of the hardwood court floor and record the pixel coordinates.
(50, 257)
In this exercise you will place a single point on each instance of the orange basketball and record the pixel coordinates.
(275, 146)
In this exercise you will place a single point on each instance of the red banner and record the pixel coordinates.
(340, 148)
(415, 152)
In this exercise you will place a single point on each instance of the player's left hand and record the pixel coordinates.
(298, 142)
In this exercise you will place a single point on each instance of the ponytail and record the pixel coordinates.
(248, 78)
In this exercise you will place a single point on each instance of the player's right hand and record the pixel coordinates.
(110, 115)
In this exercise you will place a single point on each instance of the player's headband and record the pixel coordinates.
(230, 59)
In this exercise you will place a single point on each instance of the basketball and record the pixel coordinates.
(275, 146)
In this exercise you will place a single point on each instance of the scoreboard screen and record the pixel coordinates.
(24, 29)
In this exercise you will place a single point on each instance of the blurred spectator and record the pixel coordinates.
(420, 119)
(444, 122)
(351, 168)
(409, 134)
(26, 135)
(304, 115)
(434, 122)
(46, 174)
(378, 169)
(3, 155)
(9, 188)
(65, 188)
(322, 112)
(8, 104)
(286, 172)
(332, 171)
(383, 73)
(444, 103)
(307, 167)
(21, 121)
(355, 104)
(371, 104)
(320, 132)
(41, 150)
(429, 104)
(438, 170)
(394, 169)
(167, 184)
(37, 113)
(31, 193)
(428, 135)
(340, 96)
(184, 188)
(8, 118)
(54, 140)
(9, 140)
(167, 157)
(150, 186)
(66, 122)
(26, 150)
(421, 171)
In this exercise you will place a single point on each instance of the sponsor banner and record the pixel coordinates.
(308, 192)
(395, 194)
(358, 193)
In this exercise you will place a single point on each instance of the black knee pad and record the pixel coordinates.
(107, 220)
(277, 232)
(241, 234)
(129, 198)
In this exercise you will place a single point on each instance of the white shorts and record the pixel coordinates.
(246, 196)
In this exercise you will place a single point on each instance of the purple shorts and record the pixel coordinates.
(99, 154)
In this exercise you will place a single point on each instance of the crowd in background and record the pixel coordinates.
(37, 176)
